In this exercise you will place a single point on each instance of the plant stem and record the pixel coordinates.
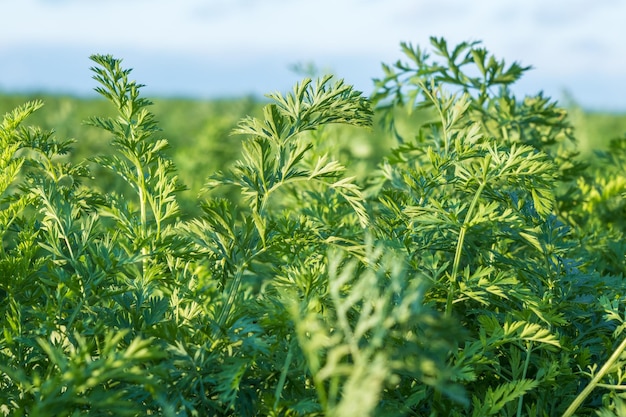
(232, 293)
(234, 288)
(444, 123)
(141, 193)
(594, 382)
(459, 247)
(520, 402)
(283, 375)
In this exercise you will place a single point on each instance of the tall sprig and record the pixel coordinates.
(277, 156)
(141, 162)
(274, 155)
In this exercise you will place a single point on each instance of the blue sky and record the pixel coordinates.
(215, 48)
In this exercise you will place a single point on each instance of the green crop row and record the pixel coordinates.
(465, 263)
(199, 133)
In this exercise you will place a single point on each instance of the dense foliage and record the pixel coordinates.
(477, 270)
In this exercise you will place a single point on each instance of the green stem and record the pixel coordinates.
(232, 293)
(233, 290)
(520, 402)
(283, 375)
(459, 247)
(594, 382)
(141, 192)
(437, 104)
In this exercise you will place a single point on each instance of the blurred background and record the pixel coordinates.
(210, 49)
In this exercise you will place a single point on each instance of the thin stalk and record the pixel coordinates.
(612, 386)
(436, 103)
(141, 193)
(232, 293)
(321, 392)
(595, 381)
(459, 247)
(333, 392)
(141, 181)
(234, 288)
(283, 375)
(77, 309)
(520, 401)
(141, 186)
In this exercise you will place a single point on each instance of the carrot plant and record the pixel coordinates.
(477, 270)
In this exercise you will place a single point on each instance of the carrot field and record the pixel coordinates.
(436, 246)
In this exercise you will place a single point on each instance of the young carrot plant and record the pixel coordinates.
(477, 271)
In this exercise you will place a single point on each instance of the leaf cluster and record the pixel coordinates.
(477, 271)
